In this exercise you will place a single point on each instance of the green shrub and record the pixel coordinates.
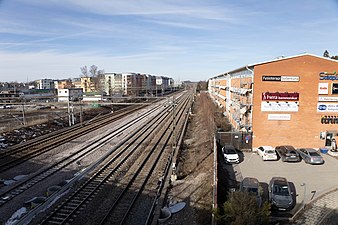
(242, 209)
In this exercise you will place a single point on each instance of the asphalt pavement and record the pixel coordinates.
(314, 187)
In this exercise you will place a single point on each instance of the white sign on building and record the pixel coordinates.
(279, 107)
(279, 116)
(323, 88)
(327, 99)
(289, 78)
(327, 107)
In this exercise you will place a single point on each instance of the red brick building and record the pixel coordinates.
(286, 101)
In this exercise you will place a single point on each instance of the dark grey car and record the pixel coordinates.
(311, 156)
(288, 153)
(251, 185)
(280, 195)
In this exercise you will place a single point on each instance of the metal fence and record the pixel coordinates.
(240, 140)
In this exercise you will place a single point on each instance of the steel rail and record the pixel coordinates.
(98, 179)
(30, 182)
(63, 132)
(125, 202)
(28, 153)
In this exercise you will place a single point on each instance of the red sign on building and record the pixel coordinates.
(267, 96)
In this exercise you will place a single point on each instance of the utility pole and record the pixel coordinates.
(72, 110)
(81, 120)
(23, 112)
(173, 104)
(69, 116)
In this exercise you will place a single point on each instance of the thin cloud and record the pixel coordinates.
(14, 44)
(179, 25)
(149, 8)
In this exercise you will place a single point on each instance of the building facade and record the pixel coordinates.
(70, 94)
(285, 101)
(45, 84)
(113, 84)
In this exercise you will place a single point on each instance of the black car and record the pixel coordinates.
(288, 153)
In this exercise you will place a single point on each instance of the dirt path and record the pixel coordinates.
(195, 167)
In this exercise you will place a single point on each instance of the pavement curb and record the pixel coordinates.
(308, 206)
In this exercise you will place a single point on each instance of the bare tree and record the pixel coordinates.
(93, 71)
(84, 71)
(96, 77)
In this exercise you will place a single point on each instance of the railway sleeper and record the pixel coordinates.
(69, 208)
(63, 215)
(56, 219)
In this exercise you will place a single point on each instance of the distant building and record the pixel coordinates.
(131, 84)
(45, 84)
(63, 84)
(113, 84)
(76, 82)
(148, 84)
(88, 84)
(70, 94)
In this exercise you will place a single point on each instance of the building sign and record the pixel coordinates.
(327, 107)
(267, 96)
(323, 88)
(329, 120)
(279, 107)
(334, 88)
(328, 75)
(289, 78)
(328, 99)
(281, 78)
(279, 116)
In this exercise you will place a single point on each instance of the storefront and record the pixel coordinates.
(286, 101)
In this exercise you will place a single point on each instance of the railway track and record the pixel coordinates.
(131, 166)
(23, 152)
(19, 188)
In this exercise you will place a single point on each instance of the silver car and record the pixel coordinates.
(280, 194)
(311, 156)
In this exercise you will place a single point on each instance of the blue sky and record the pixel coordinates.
(183, 39)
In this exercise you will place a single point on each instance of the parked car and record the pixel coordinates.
(267, 153)
(251, 185)
(280, 194)
(230, 154)
(311, 156)
(288, 153)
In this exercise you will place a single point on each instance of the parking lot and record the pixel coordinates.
(311, 180)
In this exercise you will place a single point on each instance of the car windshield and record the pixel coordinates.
(251, 189)
(270, 151)
(313, 154)
(281, 190)
(230, 151)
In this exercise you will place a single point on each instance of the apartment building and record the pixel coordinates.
(289, 100)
